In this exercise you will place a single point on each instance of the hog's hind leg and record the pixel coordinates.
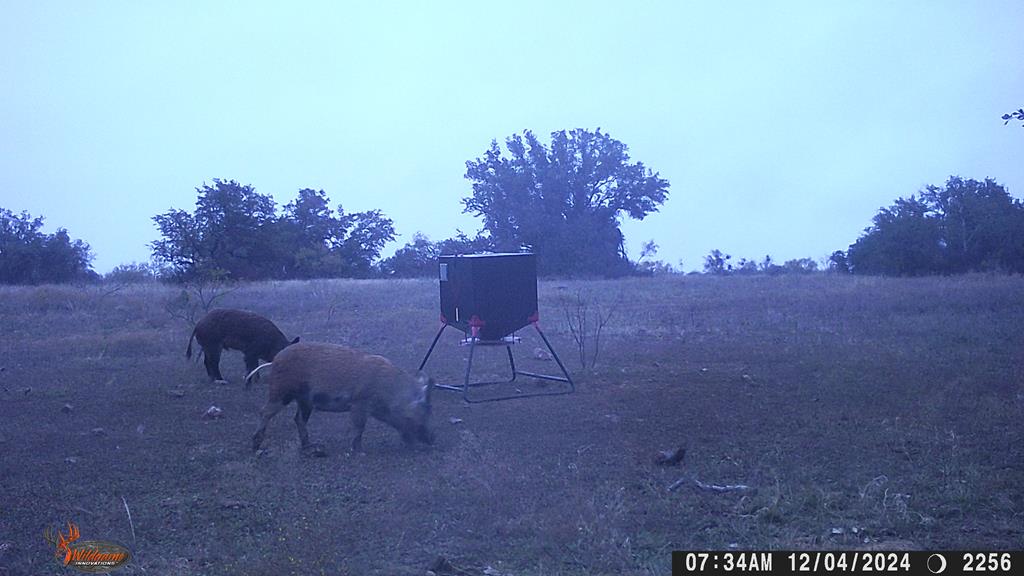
(211, 358)
(252, 361)
(302, 412)
(358, 424)
(269, 411)
(305, 408)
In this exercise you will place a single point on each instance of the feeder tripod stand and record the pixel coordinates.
(473, 341)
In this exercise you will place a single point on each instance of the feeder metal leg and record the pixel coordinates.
(469, 369)
(511, 362)
(432, 344)
(555, 356)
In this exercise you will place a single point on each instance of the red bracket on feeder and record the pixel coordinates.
(475, 324)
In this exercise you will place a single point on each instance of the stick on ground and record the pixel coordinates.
(711, 487)
(130, 523)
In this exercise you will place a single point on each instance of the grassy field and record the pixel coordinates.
(861, 412)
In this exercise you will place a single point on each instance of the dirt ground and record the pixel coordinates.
(859, 412)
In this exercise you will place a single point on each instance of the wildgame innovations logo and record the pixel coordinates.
(90, 556)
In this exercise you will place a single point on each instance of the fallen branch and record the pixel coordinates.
(711, 487)
(722, 488)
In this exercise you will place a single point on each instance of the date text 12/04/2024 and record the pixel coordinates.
(849, 562)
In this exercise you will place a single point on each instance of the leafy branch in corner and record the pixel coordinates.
(1016, 115)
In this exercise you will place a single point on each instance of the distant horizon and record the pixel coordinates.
(782, 129)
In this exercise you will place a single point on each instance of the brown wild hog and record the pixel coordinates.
(334, 378)
(257, 338)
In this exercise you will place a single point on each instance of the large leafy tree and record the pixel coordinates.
(965, 225)
(563, 201)
(903, 240)
(234, 220)
(319, 243)
(367, 233)
(979, 224)
(416, 259)
(29, 256)
(236, 233)
(226, 236)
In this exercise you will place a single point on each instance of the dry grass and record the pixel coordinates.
(864, 412)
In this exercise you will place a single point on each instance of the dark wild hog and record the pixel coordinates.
(257, 338)
(334, 378)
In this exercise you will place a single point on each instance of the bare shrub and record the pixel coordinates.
(197, 298)
(587, 319)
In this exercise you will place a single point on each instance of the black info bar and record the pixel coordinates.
(846, 562)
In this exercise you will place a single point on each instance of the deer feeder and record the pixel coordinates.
(489, 297)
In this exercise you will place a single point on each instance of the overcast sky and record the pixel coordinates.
(781, 126)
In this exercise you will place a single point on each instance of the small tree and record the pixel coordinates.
(837, 262)
(745, 266)
(800, 266)
(652, 267)
(132, 273)
(717, 263)
(587, 320)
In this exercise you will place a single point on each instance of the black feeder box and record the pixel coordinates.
(489, 297)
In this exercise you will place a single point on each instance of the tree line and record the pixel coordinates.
(719, 263)
(963, 226)
(564, 201)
